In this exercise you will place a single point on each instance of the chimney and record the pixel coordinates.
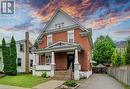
(26, 52)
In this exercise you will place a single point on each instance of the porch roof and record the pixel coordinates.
(59, 47)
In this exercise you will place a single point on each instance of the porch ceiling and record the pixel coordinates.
(59, 47)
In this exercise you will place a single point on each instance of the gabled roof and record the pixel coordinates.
(54, 15)
(42, 33)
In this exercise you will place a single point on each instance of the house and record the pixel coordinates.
(20, 46)
(121, 45)
(63, 45)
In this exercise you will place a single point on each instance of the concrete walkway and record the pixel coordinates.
(101, 81)
(11, 87)
(52, 84)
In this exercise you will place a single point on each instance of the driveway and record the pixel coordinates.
(101, 81)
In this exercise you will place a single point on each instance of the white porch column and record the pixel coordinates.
(53, 58)
(52, 63)
(77, 66)
(76, 57)
(35, 63)
(37, 59)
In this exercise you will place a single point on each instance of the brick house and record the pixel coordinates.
(63, 45)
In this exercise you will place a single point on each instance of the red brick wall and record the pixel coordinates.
(41, 59)
(61, 61)
(61, 36)
(83, 57)
(61, 58)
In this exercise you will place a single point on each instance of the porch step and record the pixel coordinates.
(62, 75)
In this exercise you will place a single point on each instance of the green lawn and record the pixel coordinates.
(22, 80)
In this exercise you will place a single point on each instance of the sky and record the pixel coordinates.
(105, 17)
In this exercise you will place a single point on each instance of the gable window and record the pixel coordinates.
(71, 36)
(59, 25)
(19, 62)
(21, 48)
(49, 40)
(47, 59)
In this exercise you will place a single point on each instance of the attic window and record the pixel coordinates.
(59, 25)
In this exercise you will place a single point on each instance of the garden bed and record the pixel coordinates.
(69, 84)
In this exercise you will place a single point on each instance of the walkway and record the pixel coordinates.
(52, 84)
(101, 81)
(11, 87)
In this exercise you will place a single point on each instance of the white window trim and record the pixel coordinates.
(48, 37)
(48, 54)
(71, 31)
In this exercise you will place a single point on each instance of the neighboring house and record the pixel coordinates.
(121, 45)
(20, 56)
(63, 44)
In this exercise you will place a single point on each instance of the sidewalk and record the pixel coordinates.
(11, 87)
(52, 84)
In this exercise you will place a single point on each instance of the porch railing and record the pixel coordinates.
(71, 71)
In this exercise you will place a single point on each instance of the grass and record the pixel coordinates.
(23, 80)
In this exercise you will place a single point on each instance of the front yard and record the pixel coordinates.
(22, 80)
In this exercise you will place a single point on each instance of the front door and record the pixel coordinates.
(70, 61)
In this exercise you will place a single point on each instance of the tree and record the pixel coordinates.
(123, 57)
(116, 60)
(13, 57)
(6, 57)
(103, 49)
(128, 52)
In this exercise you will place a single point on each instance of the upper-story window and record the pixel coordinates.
(21, 47)
(71, 36)
(59, 25)
(49, 40)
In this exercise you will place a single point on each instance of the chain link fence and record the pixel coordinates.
(120, 73)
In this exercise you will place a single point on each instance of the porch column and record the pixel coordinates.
(76, 57)
(53, 58)
(35, 63)
(52, 63)
(77, 66)
(37, 59)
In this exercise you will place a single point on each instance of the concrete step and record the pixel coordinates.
(62, 75)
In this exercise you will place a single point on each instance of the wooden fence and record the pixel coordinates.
(120, 73)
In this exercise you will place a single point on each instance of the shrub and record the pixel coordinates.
(70, 83)
(44, 75)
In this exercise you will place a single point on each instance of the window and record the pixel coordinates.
(71, 36)
(49, 40)
(59, 25)
(47, 59)
(21, 47)
(19, 62)
(31, 63)
(30, 50)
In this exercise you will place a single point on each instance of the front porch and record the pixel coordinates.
(58, 57)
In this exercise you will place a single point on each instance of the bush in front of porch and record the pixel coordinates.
(23, 80)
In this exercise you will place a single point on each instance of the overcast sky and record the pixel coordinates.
(105, 17)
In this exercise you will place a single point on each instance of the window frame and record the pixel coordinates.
(21, 46)
(31, 62)
(49, 37)
(48, 58)
(70, 36)
(18, 62)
